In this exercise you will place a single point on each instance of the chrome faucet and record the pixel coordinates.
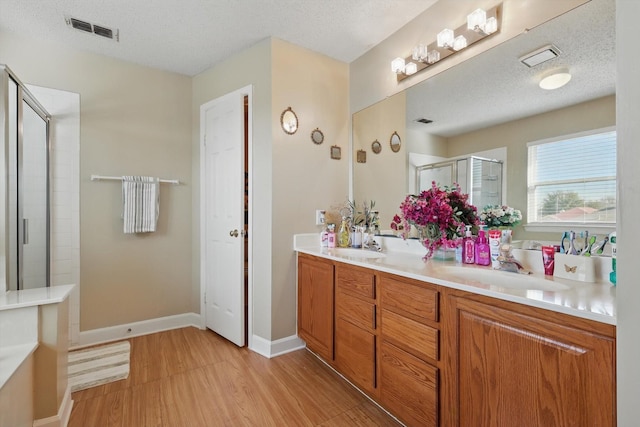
(370, 243)
(508, 262)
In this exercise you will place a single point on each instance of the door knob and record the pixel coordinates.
(234, 233)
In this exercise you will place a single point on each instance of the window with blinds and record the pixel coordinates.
(573, 179)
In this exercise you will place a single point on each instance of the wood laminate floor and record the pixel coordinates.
(189, 377)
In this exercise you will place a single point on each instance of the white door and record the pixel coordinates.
(222, 128)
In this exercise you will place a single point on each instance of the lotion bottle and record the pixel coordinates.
(324, 238)
(469, 248)
(331, 236)
(483, 256)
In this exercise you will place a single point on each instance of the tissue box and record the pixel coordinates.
(575, 267)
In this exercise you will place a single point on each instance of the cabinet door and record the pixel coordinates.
(315, 305)
(516, 370)
(356, 355)
(408, 387)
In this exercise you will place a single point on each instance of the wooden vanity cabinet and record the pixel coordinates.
(514, 365)
(437, 356)
(356, 326)
(315, 304)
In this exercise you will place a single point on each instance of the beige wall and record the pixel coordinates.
(305, 178)
(514, 135)
(134, 120)
(370, 77)
(250, 67)
(371, 180)
(290, 176)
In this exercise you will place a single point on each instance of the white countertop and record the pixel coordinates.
(595, 301)
(33, 297)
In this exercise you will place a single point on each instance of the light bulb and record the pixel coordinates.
(445, 38)
(397, 65)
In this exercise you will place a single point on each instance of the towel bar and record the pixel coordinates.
(119, 178)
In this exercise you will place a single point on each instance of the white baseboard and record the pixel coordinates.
(275, 348)
(145, 327)
(64, 413)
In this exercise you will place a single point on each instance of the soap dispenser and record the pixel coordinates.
(483, 256)
(469, 248)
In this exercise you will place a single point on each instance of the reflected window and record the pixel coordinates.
(572, 179)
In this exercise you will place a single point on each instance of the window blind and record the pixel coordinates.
(573, 179)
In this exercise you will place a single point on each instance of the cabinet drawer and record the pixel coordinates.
(355, 310)
(355, 280)
(416, 301)
(414, 337)
(408, 387)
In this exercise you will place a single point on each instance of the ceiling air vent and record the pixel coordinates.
(80, 25)
(541, 55)
(425, 121)
(102, 31)
(98, 30)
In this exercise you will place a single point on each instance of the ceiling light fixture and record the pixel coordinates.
(555, 80)
(480, 24)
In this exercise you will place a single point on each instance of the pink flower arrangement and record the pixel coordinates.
(440, 216)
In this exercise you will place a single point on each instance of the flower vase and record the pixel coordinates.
(444, 254)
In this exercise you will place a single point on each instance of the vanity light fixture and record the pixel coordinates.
(480, 24)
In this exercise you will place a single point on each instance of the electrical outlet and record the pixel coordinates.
(320, 217)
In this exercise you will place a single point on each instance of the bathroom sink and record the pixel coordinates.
(357, 253)
(502, 279)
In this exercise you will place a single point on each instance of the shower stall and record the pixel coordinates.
(24, 186)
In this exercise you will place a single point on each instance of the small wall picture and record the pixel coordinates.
(361, 156)
(335, 152)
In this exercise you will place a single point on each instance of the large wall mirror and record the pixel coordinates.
(491, 106)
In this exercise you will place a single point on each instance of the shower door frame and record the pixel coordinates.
(23, 95)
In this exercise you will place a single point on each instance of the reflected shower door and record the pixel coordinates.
(34, 200)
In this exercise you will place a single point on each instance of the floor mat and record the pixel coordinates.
(95, 366)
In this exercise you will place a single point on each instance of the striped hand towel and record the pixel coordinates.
(140, 203)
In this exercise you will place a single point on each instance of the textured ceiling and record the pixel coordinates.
(496, 87)
(189, 36)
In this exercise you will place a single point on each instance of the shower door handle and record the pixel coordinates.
(25, 231)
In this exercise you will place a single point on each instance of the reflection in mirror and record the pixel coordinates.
(493, 102)
(289, 121)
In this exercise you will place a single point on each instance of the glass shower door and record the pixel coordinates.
(24, 187)
(33, 204)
